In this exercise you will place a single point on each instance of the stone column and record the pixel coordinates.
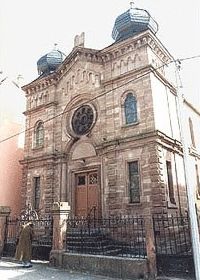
(4, 213)
(60, 213)
(150, 244)
(63, 191)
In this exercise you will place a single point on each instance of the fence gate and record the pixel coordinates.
(43, 234)
(173, 245)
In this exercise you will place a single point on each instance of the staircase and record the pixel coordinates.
(91, 241)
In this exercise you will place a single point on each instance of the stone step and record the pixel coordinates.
(76, 231)
(102, 244)
(105, 250)
(87, 238)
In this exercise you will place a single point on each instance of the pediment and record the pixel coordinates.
(82, 65)
(80, 75)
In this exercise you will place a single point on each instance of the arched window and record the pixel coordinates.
(130, 109)
(39, 135)
(192, 132)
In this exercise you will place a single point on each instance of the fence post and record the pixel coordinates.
(60, 213)
(150, 245)
(4, 213)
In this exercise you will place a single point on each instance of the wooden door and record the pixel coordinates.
(86, 193)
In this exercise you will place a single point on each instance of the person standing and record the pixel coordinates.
(24, 247)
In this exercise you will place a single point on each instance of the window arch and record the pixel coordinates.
(130, 109)
(39, 134)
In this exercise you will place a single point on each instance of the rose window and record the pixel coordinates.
(82, 120)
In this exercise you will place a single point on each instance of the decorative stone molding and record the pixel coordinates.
(116, 51)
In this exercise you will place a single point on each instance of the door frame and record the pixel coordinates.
(84, 170)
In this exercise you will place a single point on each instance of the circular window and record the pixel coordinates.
(82, 120)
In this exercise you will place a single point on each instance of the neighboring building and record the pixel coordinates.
(192, 121)
(102, 127)
(11, 170)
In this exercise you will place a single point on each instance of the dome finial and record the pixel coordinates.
(132, 4)
(133, 22)
(55, 46)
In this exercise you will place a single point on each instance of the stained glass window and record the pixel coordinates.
(36, 192)
(81, 180)
(93, 179)
(134, 181)
(130, 109)
(170, 182)
(82, 120)
(39, 135)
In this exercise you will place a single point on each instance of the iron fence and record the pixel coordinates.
(114, 236)
(172, 235)
(42, 239)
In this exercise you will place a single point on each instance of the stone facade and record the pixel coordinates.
(102, 79)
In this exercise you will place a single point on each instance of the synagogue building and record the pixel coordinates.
(103, 130)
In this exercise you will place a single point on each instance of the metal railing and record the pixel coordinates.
(114, 236)
(172, 235)
(42, 239)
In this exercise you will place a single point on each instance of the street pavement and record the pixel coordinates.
(12, 270)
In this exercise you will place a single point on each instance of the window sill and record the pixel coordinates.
(38, 148)
(130, 124)
(193, 151)
(171, 205)
(134, 203)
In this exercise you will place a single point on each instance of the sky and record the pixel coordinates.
(30, 28)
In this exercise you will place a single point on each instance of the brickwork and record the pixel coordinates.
(101, 79)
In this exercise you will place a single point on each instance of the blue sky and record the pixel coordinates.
(29, 29)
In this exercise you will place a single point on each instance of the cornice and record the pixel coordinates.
(50, 158)
(155, 136)
(163, 79)
(132, 74)
(40, 107)
(147, 38)
(193, 152)
(191, 106)
(77, 54)
(168, 142)
(41, 83)
(118, 141)
(135, 74)
(114, 51)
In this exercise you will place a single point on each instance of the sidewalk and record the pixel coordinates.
(175, 278)
(12, 270)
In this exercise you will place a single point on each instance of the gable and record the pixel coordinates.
(81, 75)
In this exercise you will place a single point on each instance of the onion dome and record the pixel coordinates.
(133, 22)
(49, 62)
